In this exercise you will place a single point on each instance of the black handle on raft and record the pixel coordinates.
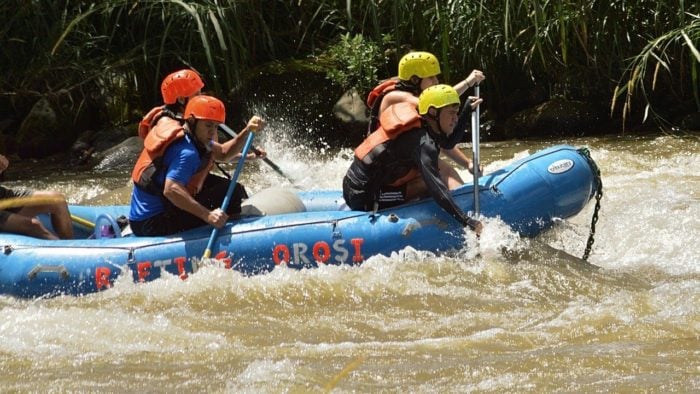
(59, 269)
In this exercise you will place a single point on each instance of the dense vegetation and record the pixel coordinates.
(638, 57)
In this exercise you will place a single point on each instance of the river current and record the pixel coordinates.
(511, 315)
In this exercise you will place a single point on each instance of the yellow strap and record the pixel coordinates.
(83, 222)
(28, 201)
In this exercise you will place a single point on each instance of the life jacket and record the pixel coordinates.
(375, 97)
(157, 138)
(152, 117)
(380, 90)
(395, 120)
(148, 120)
(374, 101)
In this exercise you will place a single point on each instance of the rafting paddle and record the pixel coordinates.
(229, 191)
(475, 151)
(27, 201)
(83, 222)
(267, 161)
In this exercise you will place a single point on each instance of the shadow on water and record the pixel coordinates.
(539, 251)
(536, 253)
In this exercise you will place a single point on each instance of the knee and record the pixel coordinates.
(58, 196)
(55, 200)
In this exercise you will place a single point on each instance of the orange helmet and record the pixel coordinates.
(206, 108)
(183, 83)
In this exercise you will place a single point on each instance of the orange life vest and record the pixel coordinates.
(147, 121)
(395, 120)
(374, 101)
(153, 116)
(380, 90)
(159, 132)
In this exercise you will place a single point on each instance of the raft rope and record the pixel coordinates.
(598, 196)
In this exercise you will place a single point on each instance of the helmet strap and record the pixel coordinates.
(190, 129)
(409, 86)
(439, 133)
(173, 111)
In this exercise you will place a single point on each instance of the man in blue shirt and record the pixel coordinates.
(168, 197)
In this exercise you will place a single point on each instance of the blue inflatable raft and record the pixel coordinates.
(527, 195)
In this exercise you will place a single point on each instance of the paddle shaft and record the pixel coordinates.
(475, 151)
(82, 221)
(26, 201)
(267, 161)
(229, 192)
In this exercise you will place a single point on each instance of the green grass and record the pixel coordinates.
(118, 51)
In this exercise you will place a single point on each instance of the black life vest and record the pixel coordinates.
(395, 120)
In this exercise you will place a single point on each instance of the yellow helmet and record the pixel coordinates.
(437, 96)
(420, 64)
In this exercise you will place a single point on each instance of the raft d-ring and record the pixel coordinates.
(7, 249)
(111, 224)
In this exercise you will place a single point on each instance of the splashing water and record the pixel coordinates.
(509, 314)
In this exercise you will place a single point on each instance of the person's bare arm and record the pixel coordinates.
(228, 150)
(395, 97)
(474, 78)
(459, 157)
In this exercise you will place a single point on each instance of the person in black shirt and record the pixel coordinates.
(399, 161)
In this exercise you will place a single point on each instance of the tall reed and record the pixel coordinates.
(121, 49)
(674, 54)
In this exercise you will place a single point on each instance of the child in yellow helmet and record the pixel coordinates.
(417, 72)
(398, 162)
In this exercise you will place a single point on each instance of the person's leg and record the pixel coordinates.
(214, 191)
(19, 224)
(355, 197)
(172, 221)
(416, 188)
(449, 175)
(60, 215)
(391, 196)
(57, 209)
